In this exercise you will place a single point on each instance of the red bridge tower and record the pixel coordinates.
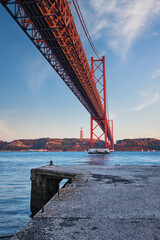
(106, 126)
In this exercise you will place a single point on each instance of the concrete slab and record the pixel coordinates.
(103, 202)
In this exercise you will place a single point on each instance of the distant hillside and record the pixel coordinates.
(2, 144)
(140, 144)
(47, 144)
(74, 144)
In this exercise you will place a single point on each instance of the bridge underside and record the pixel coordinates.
(50, 26)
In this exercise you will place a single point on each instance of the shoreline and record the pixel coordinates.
(45, 150)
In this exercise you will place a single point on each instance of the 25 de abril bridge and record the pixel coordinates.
(51, 26)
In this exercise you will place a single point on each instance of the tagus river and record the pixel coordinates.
(15, 178)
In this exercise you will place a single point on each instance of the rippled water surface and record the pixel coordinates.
(15, 178)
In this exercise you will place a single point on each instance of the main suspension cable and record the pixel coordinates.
(79, 13)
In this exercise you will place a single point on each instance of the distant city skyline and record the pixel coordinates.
(35, 102)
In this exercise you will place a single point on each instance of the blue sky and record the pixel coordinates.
(35, 102)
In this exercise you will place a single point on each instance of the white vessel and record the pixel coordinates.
(98, 151)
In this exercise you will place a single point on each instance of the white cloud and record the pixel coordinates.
(122, 21)
(152, 34)
(35, 72)
(156, 74)
(151, 101)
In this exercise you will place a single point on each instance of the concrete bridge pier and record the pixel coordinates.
(43, 188)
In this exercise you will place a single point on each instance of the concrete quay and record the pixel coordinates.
(99, 202)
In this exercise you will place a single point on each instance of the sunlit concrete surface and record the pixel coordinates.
(101, 202)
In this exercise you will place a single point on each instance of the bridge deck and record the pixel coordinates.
(116, 202)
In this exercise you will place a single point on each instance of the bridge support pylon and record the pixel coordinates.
(111, 143)
(98, 73)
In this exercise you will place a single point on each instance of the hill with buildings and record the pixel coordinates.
(74, 144)
(140, 144)
(47, 144)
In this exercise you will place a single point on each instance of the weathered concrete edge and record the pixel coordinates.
(54, 171)
(78, 176)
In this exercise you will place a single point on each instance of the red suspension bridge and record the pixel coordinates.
(51, 27)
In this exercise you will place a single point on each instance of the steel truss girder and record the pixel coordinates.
(74, 66)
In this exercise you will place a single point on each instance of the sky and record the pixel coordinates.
(35, 102)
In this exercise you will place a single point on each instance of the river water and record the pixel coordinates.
(15, 178)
